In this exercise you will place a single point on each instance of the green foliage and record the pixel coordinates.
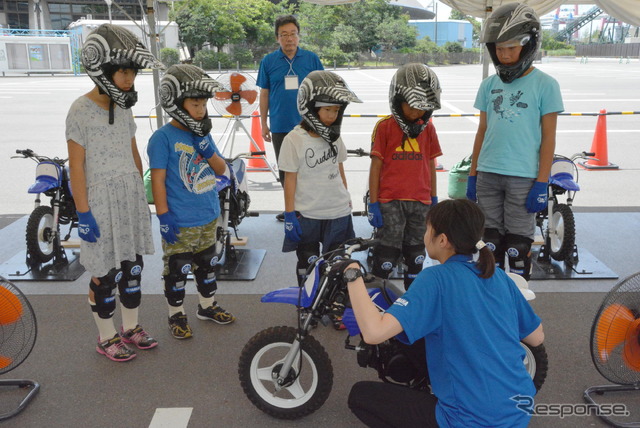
(477, 26)
(425, 45)
(169, 56)
(549, 43)
(453, 47)
(210, 60)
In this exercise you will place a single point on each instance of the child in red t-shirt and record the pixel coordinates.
(402, 178)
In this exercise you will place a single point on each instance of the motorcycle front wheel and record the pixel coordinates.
(537, 363)
(41, 234)
(564, 238)
(307, 385)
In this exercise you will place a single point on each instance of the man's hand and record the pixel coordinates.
(266, 133)
(88, 229)
(375, 215)
(537, 198)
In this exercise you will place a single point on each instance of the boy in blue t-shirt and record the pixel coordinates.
(184, 162)
(516, 138)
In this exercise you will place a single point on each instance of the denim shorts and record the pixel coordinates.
(329, 233)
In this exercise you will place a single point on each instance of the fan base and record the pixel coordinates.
(22, 383)
(16, 269)
(602, 389)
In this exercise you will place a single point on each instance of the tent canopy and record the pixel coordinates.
(627, 11)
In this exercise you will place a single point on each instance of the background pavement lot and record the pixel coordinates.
(82, 389)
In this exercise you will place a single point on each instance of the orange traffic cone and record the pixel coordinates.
(599, 146)
(257, 163)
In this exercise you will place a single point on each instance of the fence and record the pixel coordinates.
(613, 50)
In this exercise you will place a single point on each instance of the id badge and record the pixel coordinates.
(291, 82)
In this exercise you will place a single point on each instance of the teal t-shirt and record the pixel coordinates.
(514, 110)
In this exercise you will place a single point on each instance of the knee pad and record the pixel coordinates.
(495, 242)
(307, 254)
(414, 258)
(519, 254)
(105, 293)
(205, 273)
(384, 259)
(129, 285)
(176, 280)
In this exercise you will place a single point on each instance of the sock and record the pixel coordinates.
(205, 302)
(129, 318)
(175, 309)
(106, 329)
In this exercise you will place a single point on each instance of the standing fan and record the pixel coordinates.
(615, 342)
(240, 96)
(18, 331)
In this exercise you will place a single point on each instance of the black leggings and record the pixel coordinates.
(385, 405)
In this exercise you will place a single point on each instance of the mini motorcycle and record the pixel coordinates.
(234, 204)
(43, 226)
(286, 373)
(556, 222)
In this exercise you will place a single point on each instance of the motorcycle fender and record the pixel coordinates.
(565, 181)
(289, 295)
(43, 184)
(222, 182)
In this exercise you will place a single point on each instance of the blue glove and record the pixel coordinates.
(292, 229)
(168, 227)
(434, 201)
(88, 229)
(537, 197)
(205, 148)
(471, 188)
(375, 215)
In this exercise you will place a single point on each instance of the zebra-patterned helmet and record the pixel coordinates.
(187, 81)
(324, 87)
(417, 85)
(109, 48)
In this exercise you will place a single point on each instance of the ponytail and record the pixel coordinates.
(486, 263)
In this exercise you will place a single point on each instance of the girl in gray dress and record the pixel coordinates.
(106, 178)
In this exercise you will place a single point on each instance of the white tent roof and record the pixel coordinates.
(627, 11)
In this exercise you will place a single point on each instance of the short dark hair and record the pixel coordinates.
(284, 20)
(462, 221)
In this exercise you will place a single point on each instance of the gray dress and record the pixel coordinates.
(114, 187)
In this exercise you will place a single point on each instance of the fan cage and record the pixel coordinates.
(615, 333)
(17, 336)
(249, 84)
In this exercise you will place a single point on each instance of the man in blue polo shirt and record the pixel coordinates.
(279, 77)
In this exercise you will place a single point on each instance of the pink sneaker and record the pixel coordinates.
(138, 337)
(115, 350)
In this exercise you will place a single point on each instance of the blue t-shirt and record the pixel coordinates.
(472, 329)
(514, 110)
(190, 182)
(283, 107)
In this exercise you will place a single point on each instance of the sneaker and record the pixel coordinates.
(280, 217)
(179, 326)
(215, 313)
(138, 337)
(337, 322)
(115, 350)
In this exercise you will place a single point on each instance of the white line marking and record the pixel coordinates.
(176, 417)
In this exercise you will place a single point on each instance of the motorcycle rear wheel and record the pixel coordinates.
(564, 238)
(536, 363)
(41, 234)
(308, 384)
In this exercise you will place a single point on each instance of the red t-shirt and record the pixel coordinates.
(405, 173)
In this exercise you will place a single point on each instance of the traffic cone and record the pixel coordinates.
(258, 163)
(599, 146)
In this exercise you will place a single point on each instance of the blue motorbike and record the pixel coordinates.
(44, 240)
(286, 373)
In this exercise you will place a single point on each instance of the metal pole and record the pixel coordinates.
(151, 19)
(108, 2)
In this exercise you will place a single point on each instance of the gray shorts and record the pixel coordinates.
(502, 199)
(405, 223)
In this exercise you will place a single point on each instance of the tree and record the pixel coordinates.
(477, 27)
(194, 21)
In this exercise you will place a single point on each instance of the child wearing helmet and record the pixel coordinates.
(184, 162)
(514, 145)
(402, 177)
(457, 307)
(317, 202)
(106, 178)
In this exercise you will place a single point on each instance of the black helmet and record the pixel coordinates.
(324, 87)
(418, 85)
(512, 21)
(187, 81)
(110, 48)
